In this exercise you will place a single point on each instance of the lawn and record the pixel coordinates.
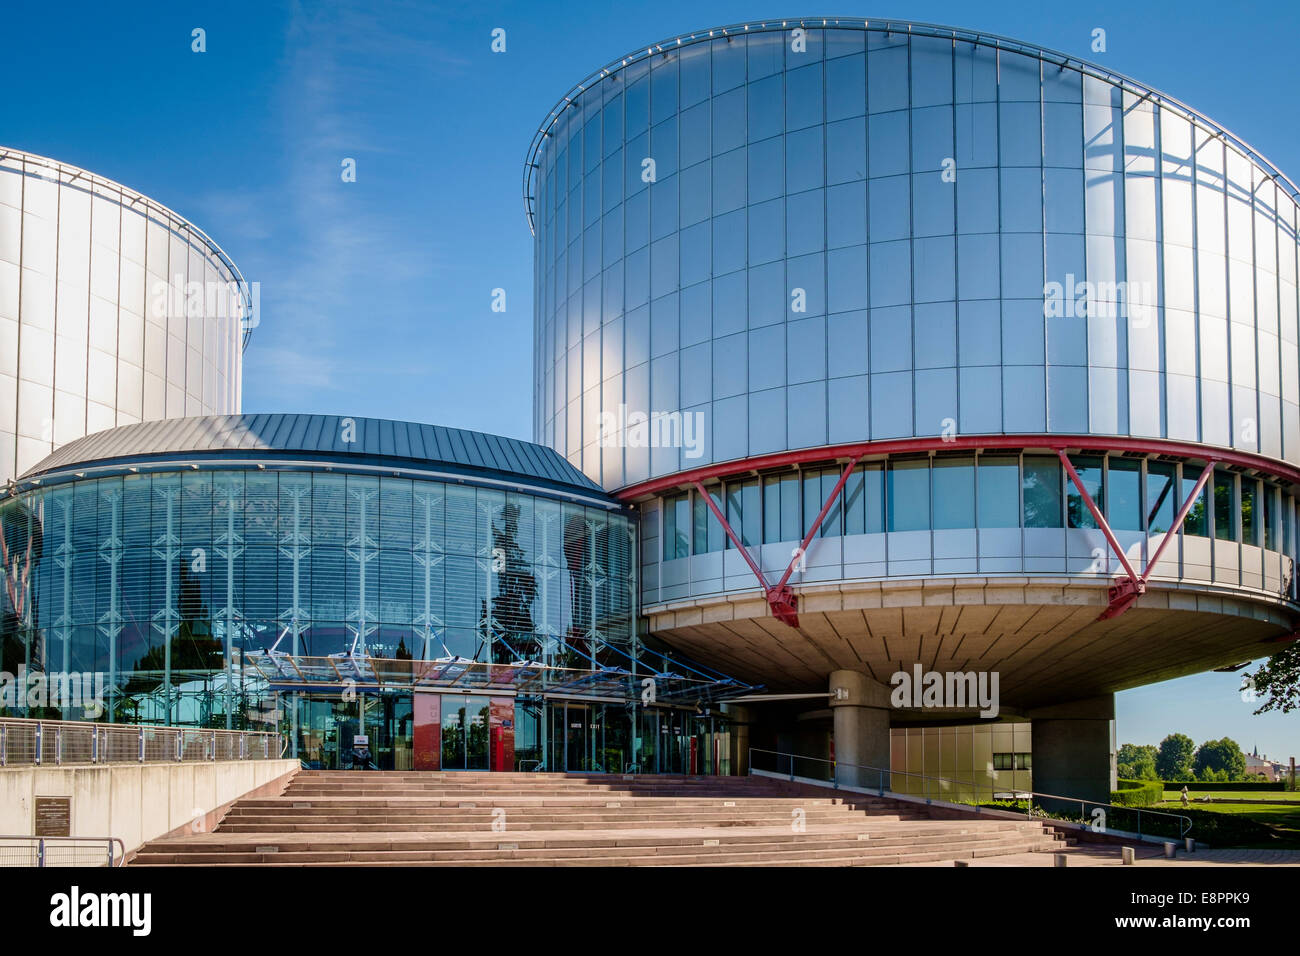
(1175, 795)
(1246, 825)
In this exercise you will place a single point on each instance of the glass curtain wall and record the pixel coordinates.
(162, 582)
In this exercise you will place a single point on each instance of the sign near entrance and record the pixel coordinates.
(53, 816)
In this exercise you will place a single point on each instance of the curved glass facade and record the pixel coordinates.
(838, 235)
(167, 582)
(998, 512)
(113, 310)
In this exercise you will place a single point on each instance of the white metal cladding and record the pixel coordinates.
(113, 310)
(923, 198)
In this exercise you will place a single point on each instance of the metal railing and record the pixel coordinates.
(56, 743)
(1031, 802)
(61, 851)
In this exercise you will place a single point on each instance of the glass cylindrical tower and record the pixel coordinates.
(902, 316)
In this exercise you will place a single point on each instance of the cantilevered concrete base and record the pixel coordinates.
(1040, 633)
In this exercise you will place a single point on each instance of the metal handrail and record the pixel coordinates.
(37, 742)
(42, 860)
(883, 787)
(934, 30)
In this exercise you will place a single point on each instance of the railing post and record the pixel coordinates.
(38, 743)
(109, 841)
(94, 745)
(180, 744)
(142, 745)
(4, 745)
(58, 746)
(214, 746)
(40, 852)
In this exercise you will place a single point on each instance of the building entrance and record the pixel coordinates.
(328, 728)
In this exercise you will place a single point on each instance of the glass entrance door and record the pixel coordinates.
(464, 720)
(387, 719)
(576, 728)
(326, 728)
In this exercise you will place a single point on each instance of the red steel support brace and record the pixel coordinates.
(780, 597)
(1128, 588)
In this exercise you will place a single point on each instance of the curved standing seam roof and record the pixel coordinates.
(320, 436)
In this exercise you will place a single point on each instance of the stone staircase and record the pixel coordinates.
(542, 819)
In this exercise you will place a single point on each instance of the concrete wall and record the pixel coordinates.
(136, 802)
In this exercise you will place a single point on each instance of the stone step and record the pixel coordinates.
(478, 800)
(698, 792)
(389, 826)
(411, 818)
(840, 852)
(478, 839)
(484, 809)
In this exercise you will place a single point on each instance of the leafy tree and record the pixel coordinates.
(1174, 759)
(1276, 682)
(1137, 762)
(1223, 756)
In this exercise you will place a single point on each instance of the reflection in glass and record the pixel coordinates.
(1125, 490)
(1249, 514)
(1041, 487)
(1224, 524)
(1161, 503)
(743, 500)
(780, 508)
(706, 531)
(1270, 517)
(954, 493)
(908, 495)
(1089, 472)
(864, 500)
(676, 525)
(999, 492)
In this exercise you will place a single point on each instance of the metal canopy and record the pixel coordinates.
(294, 672)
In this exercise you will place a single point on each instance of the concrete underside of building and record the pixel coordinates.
(1042, 635)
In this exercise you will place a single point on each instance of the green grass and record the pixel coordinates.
(1244, 825)
(1175, 795)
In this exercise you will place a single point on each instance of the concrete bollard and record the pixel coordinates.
(1126, 855)
(1170, 850)
(1189, 844)
(1060, 859)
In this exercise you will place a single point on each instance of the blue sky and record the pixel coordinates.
(376, 295)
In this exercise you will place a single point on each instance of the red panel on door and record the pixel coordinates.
(428, 732)
(501, 721)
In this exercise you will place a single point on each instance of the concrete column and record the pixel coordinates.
(739, 717)
(860, 715)
(1074, 749)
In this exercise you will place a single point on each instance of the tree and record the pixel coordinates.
(1277, 682)
(1137, 762)
(1174, 760)
(1223, 757)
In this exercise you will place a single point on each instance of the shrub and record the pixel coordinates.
(1138, 793)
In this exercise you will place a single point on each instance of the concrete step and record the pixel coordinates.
(466, 840)
(333, 818)
(841, 852)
